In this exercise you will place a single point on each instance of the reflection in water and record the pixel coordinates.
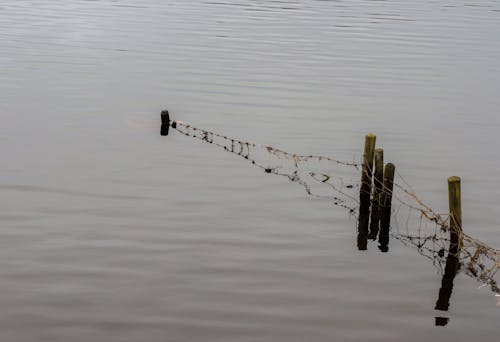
(442, 321)
(452, 266)
(452, 262)
(383, 239)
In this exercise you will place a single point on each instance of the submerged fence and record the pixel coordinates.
(382, 201)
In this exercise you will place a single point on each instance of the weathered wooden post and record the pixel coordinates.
(385, 221)
(365, 191)
(455, 202)
(452, 260)
(165, 122)
(378, 181)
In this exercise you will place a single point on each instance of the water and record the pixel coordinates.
(110, 232)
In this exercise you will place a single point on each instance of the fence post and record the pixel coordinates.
(452, 260)
(378, 181)
(165, 122)
(385, 221)
(455, 202)
(365, 191)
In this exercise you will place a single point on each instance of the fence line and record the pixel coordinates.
(414, 222)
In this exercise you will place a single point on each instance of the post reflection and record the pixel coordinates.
(443, 302)
(449, 253)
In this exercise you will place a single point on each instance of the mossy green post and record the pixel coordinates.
(365, 191)
(455, 201)
(378, 181)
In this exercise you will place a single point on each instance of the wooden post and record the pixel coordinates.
(385, 221)
(452, 261)
(365, 191)
(378, 181)
(455, 201)
(165, 122)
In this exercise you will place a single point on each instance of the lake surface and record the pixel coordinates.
(110, 232)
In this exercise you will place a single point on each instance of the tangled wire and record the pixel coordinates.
(414, 223)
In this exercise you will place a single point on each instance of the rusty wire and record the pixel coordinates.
(413, 223)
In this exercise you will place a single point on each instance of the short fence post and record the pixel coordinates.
(385, 221)
(378, 181)
(165, 122)
(455, 202)
(365, 191)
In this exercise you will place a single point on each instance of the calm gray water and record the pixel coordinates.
(109, 232)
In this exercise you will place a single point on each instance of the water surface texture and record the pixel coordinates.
(110, 232)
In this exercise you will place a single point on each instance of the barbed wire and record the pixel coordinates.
(413, 222)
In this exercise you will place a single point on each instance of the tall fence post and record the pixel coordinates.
(385, 221)
(378, 181)
(365, 191)
(452, 260)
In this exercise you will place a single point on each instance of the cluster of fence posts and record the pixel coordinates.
(375, 198)
(376, 201)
